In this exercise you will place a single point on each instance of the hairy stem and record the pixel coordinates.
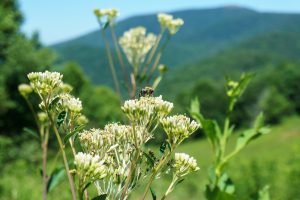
(44, 146)
(155, 171)
(61, 146)
(170, 188)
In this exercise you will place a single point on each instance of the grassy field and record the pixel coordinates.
(272, 160)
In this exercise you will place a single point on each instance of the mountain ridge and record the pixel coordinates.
(206, 32)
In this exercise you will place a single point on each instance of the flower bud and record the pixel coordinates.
(25, 89)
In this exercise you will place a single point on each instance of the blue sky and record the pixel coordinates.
(59, 20)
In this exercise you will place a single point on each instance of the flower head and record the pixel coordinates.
(82, 120)
(71, 103)
(179, 127)
(136, 44)
(146, 110)
(44, 83)
(167, 21)
(184, 164)
(89, 167)
(111, 13)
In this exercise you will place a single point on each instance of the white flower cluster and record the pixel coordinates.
(89, 167)
(136, 44)
(70, 103)
(178, 128)
(146, 110)
(167, 21)
(44, 82)
(114, 145)
(184, 164)
(111, 13)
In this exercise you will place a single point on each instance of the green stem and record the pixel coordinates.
(152, 52)
(61, 146)
(33, 113)
(120, 57)
(156, 170)
(170, 188)
(44, 146)
(132, 166)
(110, 60)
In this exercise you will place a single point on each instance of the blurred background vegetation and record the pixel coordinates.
(213, 43)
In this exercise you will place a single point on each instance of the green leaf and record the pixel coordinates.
(153, 194)
(212, 131)
(195, 110)
(53, 102)
(156, 82)
(180, 181)
(32, 133)
(86, 186)
(55, 178)
(216, 194)
(259, 121)
(106, 24)
(150, 160)
(75, 132)
(226, 185)
(100, 197)
(251, 134)
(61, 117)
(263, 194)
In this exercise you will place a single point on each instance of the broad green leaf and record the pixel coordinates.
(195, 110)
(153, 194)
(226, 185)
(100, 197)
(32, 133)
(259, 121)
(251, 134)
(212, 131)
(61, 117)
(263, 194)
(216, 194)
(55, 178)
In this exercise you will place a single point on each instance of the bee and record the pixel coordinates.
(146, 92)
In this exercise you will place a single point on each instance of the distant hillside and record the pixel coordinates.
(257, 54)
(205, 33)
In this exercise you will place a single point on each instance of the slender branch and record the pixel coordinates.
(133, 83)
(120, 57)
(110, 60)
(33, 113)
(152, 52)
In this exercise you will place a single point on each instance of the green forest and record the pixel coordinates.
(212, 48)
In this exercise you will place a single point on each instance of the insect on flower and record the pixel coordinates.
(146, 92)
